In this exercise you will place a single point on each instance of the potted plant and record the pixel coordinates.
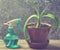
(38, 32)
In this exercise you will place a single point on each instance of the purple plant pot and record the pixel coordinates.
(38, 36)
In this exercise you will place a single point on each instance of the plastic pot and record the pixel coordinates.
(38, 37)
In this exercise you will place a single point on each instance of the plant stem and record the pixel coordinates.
(39, 24)
(39, 21)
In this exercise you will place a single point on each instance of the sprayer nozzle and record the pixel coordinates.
(5, 24)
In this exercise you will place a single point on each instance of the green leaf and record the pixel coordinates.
(51, 16)
(26, 23)
(33, 6)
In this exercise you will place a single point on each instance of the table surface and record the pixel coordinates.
(53, 45)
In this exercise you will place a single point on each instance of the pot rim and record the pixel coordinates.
(47, 24)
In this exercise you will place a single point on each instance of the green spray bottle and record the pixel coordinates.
(10, 38)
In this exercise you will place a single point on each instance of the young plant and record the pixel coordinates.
(39, 16)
